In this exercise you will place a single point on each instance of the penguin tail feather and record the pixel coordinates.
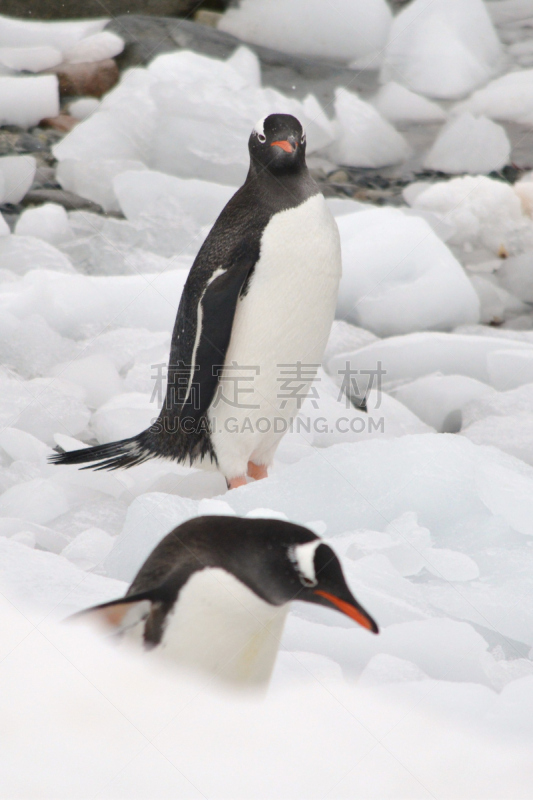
(115, 455)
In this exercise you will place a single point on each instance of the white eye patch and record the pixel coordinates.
(259, 128)
(303, 558)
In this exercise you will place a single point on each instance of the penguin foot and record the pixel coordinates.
(257, 471)
(234, 483)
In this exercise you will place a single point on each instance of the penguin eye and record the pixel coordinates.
(262, 138)
(307, 581)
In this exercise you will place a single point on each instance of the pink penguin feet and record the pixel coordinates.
(255, 471)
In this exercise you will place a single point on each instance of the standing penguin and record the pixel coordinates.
(214, 593)
(252, 324)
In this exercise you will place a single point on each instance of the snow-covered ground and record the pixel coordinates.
(427, 497)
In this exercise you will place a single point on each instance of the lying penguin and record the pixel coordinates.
(213, 595)
(252, 324)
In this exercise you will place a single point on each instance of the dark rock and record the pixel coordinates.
(78, 9)
(93, 79)
(147, 37)
(64, 122)
(69, 200)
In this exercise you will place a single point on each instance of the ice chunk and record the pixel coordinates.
(96, 47)
(26, 538)
(21, 445)
(45, 538)
(149, 518)
(36, 501)
(514, 402)
(94, 179)
(469, 144)
(327, 417)
(512, 434)
(442, 48)
(439, 400)
(497, 304)
(507, 494)
(123, 416)
(42, 406)
(30, 59)
(16, 174)
(245, 62)
(26, 101)
(62, 35)
(509, 98)
(125, 346)
(386, 669)
(347, 30)
(89, 549)
(96, 374)
(84, 107)
(344, 338)
(31, 346)
(398, 276)
(364, 138)
(398, 104)
(173, 117)
(484, 213)
(48, 222)
(148, 192)
(415, 355)
(22, 253)
(509, 368)
(79, 306)
(451, 565)
(516, 275)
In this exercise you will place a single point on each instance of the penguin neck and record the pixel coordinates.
(286, 188)
(222, 628)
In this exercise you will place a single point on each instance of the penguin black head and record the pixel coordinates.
(277, 143)
(308, 571)
(279, 561)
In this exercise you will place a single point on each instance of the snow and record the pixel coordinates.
(398, 104)
(345, 30)
(364, 138)
(399, 277)
(425, 491)
(442, 48)
(469, 144)
(26, 101)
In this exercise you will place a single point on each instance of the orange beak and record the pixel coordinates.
(285, 145)
(351, 611)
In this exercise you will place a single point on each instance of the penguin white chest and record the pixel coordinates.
(221, 627)
(279, 333)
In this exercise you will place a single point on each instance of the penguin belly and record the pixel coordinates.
(220, 627)
(278, 338)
